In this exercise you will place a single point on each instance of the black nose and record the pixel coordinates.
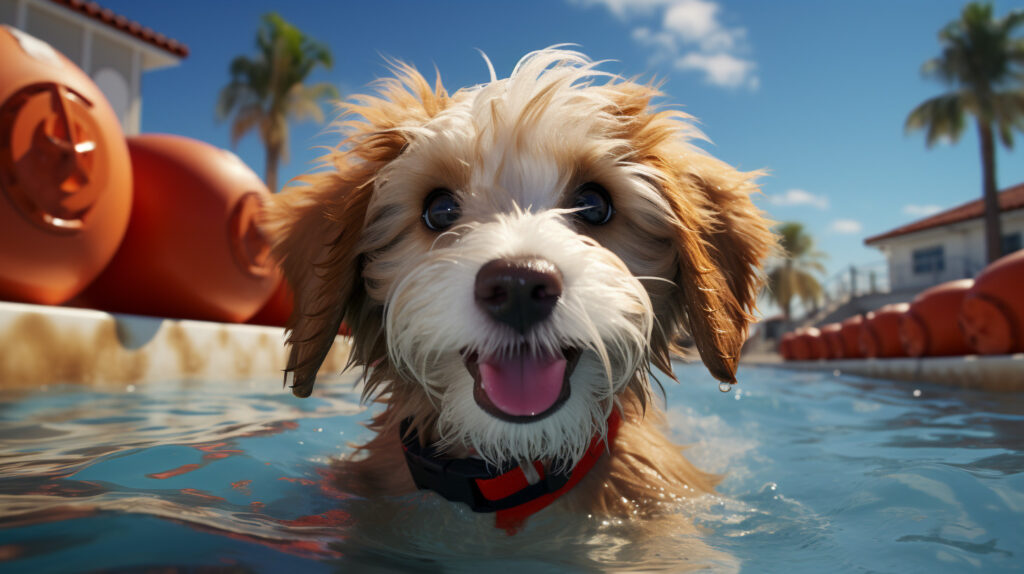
(519, 292)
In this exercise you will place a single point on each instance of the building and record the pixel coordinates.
(113, 50)
(948, 245)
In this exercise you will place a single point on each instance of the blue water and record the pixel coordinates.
(824, 472)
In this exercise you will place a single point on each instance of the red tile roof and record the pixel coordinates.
(1009, 199)
(130, 27)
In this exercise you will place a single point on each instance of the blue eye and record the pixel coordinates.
(593, 203)
(440, 210)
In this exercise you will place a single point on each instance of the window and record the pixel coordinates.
(929, 260)
(1011, 243)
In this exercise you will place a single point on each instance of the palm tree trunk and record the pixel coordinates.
(990, 193)
(787, 297)
(273, 158)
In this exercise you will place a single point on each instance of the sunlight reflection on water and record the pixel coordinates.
(820, 473)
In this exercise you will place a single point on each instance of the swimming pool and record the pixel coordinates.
(824, 472)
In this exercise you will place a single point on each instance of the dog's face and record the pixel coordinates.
(511, 258)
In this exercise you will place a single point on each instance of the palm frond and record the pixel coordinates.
(246, 119)
(983, 60)
(941, 117)
(268, 89)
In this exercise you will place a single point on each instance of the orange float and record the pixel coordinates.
(850, 336)
(830, 343)
(786, 346)
(193, 249)
(65, 177)
(992, 315)
(277, 309)
(880, 335)
(930, 327)
(805, 347)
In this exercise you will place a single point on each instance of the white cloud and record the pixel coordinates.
(721, 69)
(696, 22)
(846, 226)
(624, 9)
(690, 35)
(799, 197)
(921, 210)
(664, 43)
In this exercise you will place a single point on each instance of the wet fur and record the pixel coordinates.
(683, 255)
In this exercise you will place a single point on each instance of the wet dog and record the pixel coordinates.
(511, 260)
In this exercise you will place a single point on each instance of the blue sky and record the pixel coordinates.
(815, 92)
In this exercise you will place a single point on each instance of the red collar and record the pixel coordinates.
(505, 491)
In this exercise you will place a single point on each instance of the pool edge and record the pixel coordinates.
(42, 345)
(1000, 373)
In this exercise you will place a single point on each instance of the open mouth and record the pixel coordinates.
(524, 386)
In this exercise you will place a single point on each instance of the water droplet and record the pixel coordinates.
(724, 387)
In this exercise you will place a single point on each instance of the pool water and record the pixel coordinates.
(824, 472)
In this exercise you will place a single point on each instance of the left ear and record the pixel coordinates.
(718, 236)
(720, 243)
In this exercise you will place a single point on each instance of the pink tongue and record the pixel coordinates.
(523, 385)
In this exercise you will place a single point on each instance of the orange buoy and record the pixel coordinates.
(831, 343)
(850, 336)
(930, 327)
(805, 347)
(786, 346)
(193, 249)
(65, 177)
(276, 311)
(992, 315)
(880, 335)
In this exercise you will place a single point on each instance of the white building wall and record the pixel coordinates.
(113, 60)
(9, 12)
(963, 246)
(111, 69)
(58, 32)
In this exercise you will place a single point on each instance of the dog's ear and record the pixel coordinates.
(316, 227)
(718, 237)
(316, 230)
(720, 243)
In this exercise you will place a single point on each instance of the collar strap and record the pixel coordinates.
(485, 488)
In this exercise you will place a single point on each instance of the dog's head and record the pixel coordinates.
(511, 258)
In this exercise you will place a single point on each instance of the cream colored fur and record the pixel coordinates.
(680, 257)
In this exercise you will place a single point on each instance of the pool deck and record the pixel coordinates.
(41, 345)
(1000, 373)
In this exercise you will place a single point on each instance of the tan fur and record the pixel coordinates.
(699, 261)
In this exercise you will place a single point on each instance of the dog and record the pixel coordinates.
(511, 260)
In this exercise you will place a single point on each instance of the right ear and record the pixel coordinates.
(315, 231)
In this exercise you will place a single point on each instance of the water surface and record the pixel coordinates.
(823, 472)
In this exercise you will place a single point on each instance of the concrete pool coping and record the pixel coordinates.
(41, 345)
(1001, 373)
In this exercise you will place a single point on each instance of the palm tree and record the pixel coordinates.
(267, 90)
(794, 276)
(984, 64)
